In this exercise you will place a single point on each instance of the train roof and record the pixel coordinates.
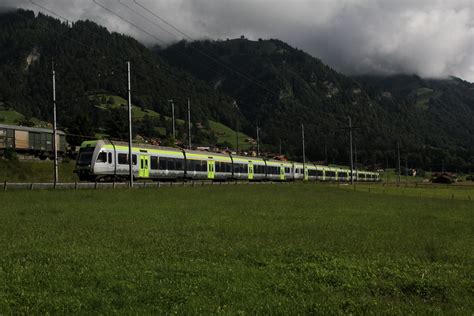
(238, 158)
(30, 129)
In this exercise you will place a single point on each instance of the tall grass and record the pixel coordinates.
(282, 249)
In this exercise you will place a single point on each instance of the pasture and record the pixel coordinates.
(245, 249)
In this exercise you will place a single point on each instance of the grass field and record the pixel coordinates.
(280, 249)
(461, 192)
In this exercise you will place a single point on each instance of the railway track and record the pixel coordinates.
(6, 186)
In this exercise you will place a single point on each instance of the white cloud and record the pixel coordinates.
(433, 38)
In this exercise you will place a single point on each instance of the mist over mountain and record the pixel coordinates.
(424, 37)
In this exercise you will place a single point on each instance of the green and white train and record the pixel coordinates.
(105, 160)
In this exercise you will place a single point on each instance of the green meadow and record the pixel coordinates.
(235, 249)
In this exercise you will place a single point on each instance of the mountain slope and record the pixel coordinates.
(89, 60)
(304, 90)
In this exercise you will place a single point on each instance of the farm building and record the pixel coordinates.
(38, 141)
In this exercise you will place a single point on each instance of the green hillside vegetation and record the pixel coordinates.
(432, 119)
(35, 171)
(113, 102)
(283, 249)
(226, 135)
(12, 117)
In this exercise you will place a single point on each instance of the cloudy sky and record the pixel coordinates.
(432, 38)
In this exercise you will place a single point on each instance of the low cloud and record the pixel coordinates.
(432, 38)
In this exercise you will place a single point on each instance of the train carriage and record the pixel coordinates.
(31, 140)
(298, 171)
(243, 168)
(279, 170)
(207, 165)
(312, 172)
(259, 169)
(107, 160)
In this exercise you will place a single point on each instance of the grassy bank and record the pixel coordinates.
(236, 249)
(434, 191)
(35, 171)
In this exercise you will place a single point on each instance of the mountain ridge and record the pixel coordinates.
(285, 88)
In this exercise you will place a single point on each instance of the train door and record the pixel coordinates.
(250, 166)
(306, 176)
(282, 173)
(144, 170)
(211, 166)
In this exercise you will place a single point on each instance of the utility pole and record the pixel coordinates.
(352, 158)
(189, 123)
(55, 143)
(302, 140)
(406, 169)
(258, 141)
(237, 134)
(399, 167)
(355, 164)
(130, 144)
(172, 114)
(326, 154)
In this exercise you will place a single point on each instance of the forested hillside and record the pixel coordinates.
(90, 62)
(431, 119)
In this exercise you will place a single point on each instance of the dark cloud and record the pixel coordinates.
(433, 38)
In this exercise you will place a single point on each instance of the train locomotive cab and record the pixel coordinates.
(84, 163)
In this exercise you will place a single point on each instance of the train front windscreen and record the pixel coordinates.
(85, 156)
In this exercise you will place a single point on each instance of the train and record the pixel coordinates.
(31, 140)
(107, 160)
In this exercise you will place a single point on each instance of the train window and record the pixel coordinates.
(190, 165)
(197, 165)
(110, 158)
(170, 164)
(122, 159)
(218, 166)
(153, 163)
(179, 164)
(142, 165)
(287, 170)
(102, 157)
(134, 160)
(162, 163)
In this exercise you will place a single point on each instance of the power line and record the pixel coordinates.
(129, 22)
(204, 53)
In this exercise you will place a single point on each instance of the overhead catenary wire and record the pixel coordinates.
(240, 74)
